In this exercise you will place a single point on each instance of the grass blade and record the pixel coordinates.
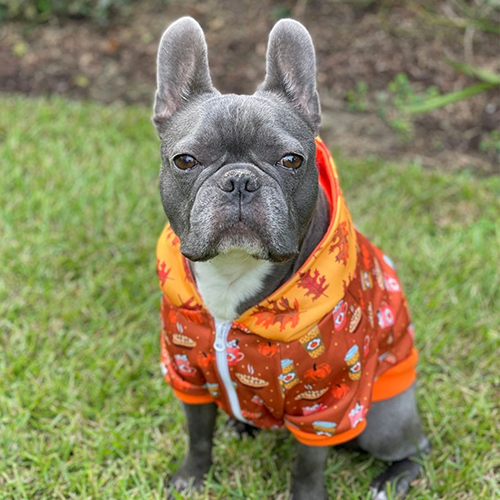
(443, 100)
(481, 74)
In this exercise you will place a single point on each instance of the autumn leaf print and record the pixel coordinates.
(171, 237)
(192, 310)
(162, 274)
(361, 299)
(314, 284)
(278, 312)
(187, 271)
(340, 243)
(366, 257)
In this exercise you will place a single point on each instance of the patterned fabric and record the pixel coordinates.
(312, 355)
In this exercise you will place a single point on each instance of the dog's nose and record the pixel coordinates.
(239, 182)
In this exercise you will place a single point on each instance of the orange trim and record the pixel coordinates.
(191, 399)
(315, 440)
(325, 173)
(397, 379)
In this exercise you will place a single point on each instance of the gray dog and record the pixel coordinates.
(274, 307)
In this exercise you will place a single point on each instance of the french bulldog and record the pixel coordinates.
(254, 209)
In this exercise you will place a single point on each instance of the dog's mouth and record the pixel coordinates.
(241, 236)
(238, 236)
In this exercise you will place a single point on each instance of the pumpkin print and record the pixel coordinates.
(268, 349)
(340, 390)
(205, 359)
(172, 316)
(318, 372)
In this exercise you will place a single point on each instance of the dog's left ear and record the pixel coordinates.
(291, 69)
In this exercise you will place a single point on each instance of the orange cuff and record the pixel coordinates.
(314, 440)
(191, 399)
(397, 379)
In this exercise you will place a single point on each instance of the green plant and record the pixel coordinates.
(391, 105)
(403, 127)
(402, 91)
(357, 99)
(280, 12)
(480, 15)
(491, 143)
(401, 101)
(42, 10)
(488, 81)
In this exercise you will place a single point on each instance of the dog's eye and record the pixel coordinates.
(185, 162)
(291, 161)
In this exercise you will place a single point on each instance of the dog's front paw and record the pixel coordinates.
(396, 479)
(315, 493)
(187, 478)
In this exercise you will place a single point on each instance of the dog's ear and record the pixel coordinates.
(182, 72)
(291, 69)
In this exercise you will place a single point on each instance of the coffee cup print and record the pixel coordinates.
(313, 343)
(233, 353)
(309, 410)
(340, 315)
(288, 375)
(183, 364)
(385, 316)
(213, 389)
(366, 280)
(353, 363)
(324, 428)
(379, 276)
(391, 283)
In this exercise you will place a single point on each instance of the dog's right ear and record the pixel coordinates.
(182, 72)
(291, 69)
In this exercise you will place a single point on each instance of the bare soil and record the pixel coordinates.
(354, 43)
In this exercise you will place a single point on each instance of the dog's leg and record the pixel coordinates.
(394, 433)
(201, 423)
(309, 473)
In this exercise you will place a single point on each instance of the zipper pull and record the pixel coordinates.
(221, 331)
(219, 344)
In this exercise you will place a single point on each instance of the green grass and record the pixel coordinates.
(84, 412)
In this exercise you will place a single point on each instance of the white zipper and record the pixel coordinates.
(220, 344)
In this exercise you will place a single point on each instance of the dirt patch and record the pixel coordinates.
(354, 44)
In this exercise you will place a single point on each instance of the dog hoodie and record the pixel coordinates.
(311, 356)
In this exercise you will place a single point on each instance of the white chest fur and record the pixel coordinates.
(229, 279)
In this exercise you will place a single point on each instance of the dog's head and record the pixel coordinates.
(238, 171)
